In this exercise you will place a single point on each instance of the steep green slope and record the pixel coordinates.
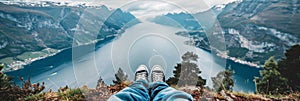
(254, 30)
(27, 28)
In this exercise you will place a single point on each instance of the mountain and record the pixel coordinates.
(35, 27)
(277, 14)
(263, 28)
(254, 30)
(184, 20)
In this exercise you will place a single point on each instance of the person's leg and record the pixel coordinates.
(160, 91)
(138, 91)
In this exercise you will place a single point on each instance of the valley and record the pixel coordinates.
(32, 31)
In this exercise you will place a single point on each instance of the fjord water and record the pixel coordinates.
(145, 43)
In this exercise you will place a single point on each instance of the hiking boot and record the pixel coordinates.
(141, 73)
(157, 74)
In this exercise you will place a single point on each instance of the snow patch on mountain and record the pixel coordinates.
(8, 16)
(288, 38)
(219, 7)
(48, 23)
(250, 45)
(3, 44)
(52, 3)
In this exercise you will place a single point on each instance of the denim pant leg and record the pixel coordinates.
(138, 91)
(160, 91)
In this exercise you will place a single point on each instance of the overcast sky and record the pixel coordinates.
(147, 8)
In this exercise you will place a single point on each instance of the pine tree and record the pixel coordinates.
(100, 83)
(271, 81)
(6, 91)
(120, 77)
(223, 80)
(289, 67)
(187, 72)
(176, 72)
(5, 81)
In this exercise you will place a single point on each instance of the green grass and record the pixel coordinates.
(35, 97)
(71, 94)
(7, 60)
(44, 52)
(36, 54)
(264, 56)
(28, 55)
(237, 52)
(278, 96)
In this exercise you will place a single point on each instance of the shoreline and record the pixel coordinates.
(21, 64)
(225, 56)
(18, 65)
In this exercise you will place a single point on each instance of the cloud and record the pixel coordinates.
(151, 8)
(146, 8)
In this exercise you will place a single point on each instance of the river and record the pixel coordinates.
(145, 43)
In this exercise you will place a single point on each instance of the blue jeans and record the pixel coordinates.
(143, 91)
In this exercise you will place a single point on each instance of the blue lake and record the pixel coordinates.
(137, 45)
